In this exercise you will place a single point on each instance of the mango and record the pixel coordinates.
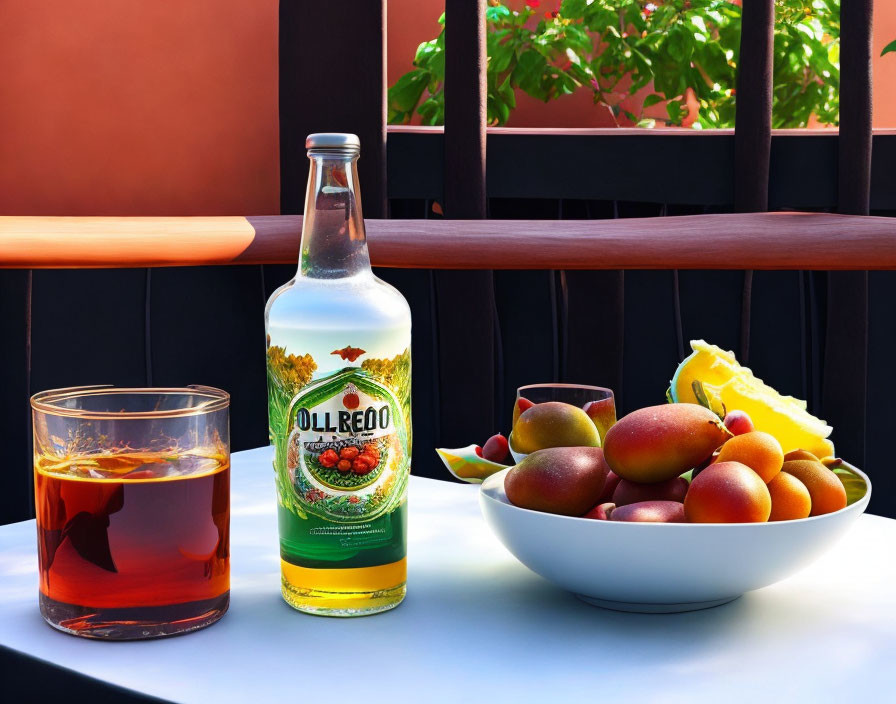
(563, 480)
(631, 493)
(553, 424)
(650, 512)
(657, 443)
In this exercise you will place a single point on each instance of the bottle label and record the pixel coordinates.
(343, 445)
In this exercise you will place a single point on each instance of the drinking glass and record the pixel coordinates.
(132, 495)
(597, 401)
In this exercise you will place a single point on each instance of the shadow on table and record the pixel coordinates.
(500, 615)
(27, 679)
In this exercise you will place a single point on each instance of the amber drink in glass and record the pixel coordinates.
(132, 495)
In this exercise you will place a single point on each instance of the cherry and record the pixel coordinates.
(496, 449)
(738, 422)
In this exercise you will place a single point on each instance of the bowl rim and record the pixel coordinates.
(486, 486)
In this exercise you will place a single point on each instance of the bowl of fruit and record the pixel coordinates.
(727, 488)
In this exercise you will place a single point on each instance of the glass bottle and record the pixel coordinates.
(339, 389)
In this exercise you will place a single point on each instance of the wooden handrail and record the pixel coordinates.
(730, 241)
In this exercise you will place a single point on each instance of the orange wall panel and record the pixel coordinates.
(138, 107)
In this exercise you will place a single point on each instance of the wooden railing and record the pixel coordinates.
(784, 240)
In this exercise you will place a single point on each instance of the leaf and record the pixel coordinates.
(653, 99)
(853, 483)
(507, 94)
(528, 73)
(703, 399)
(406, 93)
(425, 52)
(432, 110)
(573, 8)
(500, 57)
(889, 48)
(676, 113)
(700, 395)
(497, 13)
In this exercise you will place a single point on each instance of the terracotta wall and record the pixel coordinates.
(138, 107)
(161, 107)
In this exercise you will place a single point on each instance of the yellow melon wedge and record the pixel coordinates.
(729, 386)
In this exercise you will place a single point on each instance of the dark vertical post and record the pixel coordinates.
(333, 79)
(753, 129)
(465, 115)
(844, 393)
(465, 299)
(594, 325)
(855, 107)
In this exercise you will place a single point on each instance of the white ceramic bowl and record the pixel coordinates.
(660, 567)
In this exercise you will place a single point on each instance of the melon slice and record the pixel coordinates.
(728, 386)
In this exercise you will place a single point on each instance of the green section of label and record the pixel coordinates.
(347, 455)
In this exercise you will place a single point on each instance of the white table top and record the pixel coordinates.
(478, 626)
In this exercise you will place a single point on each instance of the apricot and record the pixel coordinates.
(800, 455)
(760, 451)
(601, 512)
(727, 492)
(790, 498)
(554, 424)
(564, 480)
(650, 512)
(825, 489)
(631, 492)
(660, 442)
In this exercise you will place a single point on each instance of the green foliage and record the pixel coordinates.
(891, 47)
(688, 50)
(287, 374)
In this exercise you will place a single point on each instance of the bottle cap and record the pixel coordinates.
(343, 141)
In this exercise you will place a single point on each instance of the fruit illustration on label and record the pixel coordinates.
(347, 439)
